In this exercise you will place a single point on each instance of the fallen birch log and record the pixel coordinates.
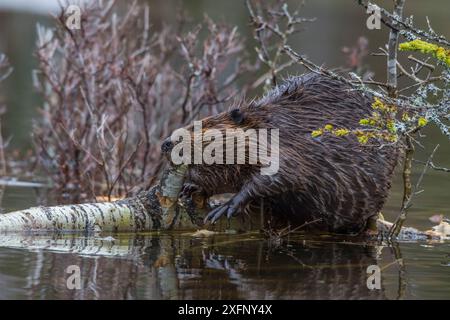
(154, 209)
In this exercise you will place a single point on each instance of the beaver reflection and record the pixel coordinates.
(300, 271)
(177, 266)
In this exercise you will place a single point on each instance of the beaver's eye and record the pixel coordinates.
(237, 116)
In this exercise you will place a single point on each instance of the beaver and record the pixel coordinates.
(334, 181)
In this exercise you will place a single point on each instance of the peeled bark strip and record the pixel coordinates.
(150, 210)
(171, 184)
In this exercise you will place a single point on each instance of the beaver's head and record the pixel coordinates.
(240, 138)
(205, 131)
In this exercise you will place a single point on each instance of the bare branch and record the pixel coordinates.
(408, 197)
(397, 23)
(392, 51)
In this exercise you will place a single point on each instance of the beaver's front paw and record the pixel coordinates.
(230, 208)
(189, 189)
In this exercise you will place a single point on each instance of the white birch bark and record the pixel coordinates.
(151, 210)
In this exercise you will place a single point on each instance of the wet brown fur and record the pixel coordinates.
(334, 179)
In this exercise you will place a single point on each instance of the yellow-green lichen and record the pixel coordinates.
(316, 133)
(363, 139)
(341, 132)
(380, 125)
(439, 53)
(422, 122)
(406, 117)
(390, 125)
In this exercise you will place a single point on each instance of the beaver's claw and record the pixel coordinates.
(215, 214)
(189, 189)
(229, 208)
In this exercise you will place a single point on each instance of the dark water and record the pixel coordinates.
(177, 266)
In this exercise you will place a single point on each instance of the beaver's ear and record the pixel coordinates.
(237, 116)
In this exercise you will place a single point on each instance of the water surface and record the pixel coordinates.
(177, 266)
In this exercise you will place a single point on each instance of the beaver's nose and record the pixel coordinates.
(167, 146)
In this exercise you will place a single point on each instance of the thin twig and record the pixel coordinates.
(397, 226)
